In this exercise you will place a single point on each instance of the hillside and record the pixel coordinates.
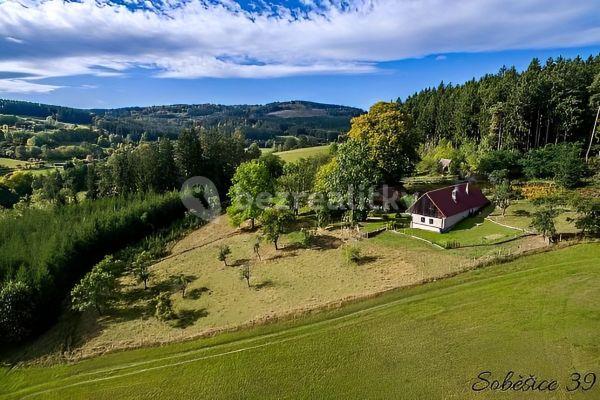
(430, 342)
(258, 122)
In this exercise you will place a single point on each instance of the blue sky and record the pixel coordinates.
(98, 54)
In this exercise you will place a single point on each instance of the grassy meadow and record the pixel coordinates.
(519, 214)
(536, 315)
(296, 154)
(290, 281)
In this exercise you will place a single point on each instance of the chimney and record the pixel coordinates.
(454, 193)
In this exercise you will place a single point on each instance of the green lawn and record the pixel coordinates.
(294, 155)
(518, 214)
(537, 315)
(371, 226)
(470, 231)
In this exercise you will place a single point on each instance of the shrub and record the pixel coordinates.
(164, 307)
(450, 244)
(351, 254)
(224, 252)
(16, 311)
(96, 288)
(306, 237)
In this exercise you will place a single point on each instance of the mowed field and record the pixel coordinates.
(472, 231)
(296, 154)
(519, 214)
(284, 283)
(537, 315)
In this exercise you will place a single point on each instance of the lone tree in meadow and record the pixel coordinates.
(273, 223)
(543, 222)
(297, 182)
(588, 211)
(503, 194)
(257, 249)
(141, 268)
(250, 193)
(224, 252)
(245, 273)
(182, 283)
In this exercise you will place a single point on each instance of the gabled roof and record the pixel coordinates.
(443, 201)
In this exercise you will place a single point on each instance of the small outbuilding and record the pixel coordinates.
(445, 165)
(439, 210)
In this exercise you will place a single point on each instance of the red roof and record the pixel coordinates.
(442, 199)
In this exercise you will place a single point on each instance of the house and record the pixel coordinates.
(439, 210)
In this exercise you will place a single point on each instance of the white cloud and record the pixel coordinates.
(23, 86)
(202, 38)
(14, 40)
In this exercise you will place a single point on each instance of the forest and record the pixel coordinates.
(547, 103)
(260, 123)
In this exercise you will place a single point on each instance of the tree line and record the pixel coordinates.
(551, 103)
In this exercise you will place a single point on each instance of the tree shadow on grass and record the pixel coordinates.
(72, 330)
(325, 242)
(240, 262)
(522, 213)
(138, 302)
(187, 318)
(196, 293)
(294, 246)
(366, 260)
(283, 255)
(267, 283)
(128, 312)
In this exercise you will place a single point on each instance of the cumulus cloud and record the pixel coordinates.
(218, 38)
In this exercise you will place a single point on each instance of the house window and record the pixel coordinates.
(423, 219)
(431, 221)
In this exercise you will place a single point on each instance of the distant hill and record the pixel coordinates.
(63, 114)
(258, 122)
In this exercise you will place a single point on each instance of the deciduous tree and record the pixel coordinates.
(273, 223)
(386, 131)
(251, 190)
